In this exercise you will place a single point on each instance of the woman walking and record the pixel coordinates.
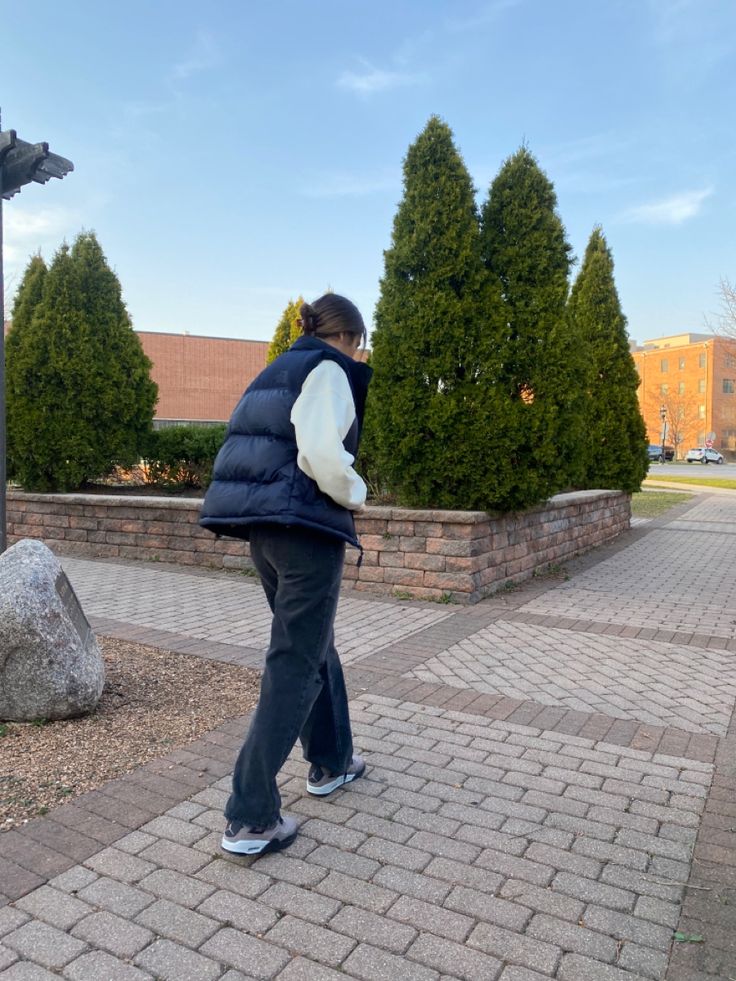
(284, 480)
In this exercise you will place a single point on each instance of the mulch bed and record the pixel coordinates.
(154, 701)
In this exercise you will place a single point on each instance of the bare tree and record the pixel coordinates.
(681, 417)
(723, 321)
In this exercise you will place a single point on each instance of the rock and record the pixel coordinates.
(50, 664)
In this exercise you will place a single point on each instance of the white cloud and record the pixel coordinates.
(205, 55)
(370, 79)
(486, 14)
(669, 211)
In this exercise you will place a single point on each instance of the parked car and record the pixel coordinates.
(655, 452)
(704, 454)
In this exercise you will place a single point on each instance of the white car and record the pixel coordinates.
(704, 454)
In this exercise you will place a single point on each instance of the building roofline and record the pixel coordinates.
(202, 337)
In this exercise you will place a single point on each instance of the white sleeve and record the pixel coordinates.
(322, 416)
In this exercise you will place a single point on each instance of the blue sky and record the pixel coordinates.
(231, 155)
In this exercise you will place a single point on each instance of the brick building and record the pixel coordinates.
(200, 379)
(693, 376)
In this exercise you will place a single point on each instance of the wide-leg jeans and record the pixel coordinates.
(303, 692)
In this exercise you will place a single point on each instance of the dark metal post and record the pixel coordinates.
(663, 417)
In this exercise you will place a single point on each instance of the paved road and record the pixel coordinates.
(551, 790)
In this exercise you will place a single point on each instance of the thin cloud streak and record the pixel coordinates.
(205, 56)
(487, 14)
(669, 211)
(371, 80)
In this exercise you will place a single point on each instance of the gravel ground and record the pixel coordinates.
(154, 701)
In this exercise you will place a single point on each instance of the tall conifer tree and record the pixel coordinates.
(26, 300)
(526, 251)
(287, 330)
(433, 422)
(616, 435)
(83, 398)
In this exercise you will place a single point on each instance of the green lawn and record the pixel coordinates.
(650, 504)
(698, 481)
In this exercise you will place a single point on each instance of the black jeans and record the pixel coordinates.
(302, 689)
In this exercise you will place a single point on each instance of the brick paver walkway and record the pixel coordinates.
(551, 793)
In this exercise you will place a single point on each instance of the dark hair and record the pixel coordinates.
(331, 314)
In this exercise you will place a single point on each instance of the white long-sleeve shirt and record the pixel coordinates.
(322, 416)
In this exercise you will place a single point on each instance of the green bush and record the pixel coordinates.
(183, 456)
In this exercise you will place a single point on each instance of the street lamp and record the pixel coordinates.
(20, 163)
(663, 417)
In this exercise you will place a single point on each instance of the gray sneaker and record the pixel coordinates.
(242, 840)
(320, 782)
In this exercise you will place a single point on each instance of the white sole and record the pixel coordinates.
(327, 788)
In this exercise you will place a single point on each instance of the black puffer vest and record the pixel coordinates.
(256, 478)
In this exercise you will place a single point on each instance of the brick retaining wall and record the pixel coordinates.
(462, 555)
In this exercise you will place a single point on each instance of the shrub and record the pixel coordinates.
(183, 456)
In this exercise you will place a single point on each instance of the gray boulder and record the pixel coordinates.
(50, 664)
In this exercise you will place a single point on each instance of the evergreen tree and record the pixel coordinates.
(616, 435)
(526, 252)
(287, 330)
(81, 397)
(26, 300)
(433, 425)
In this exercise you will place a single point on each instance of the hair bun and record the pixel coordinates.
(307, 319)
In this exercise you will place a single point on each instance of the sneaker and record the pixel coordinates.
(320, 782)
(242, 840)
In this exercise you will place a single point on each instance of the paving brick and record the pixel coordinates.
(301, 969)
(183, 832)
(54, 907)
(168, 961)
(7, 957)
(439, 845)
(120, 865)
(74, 879)
(606, 852)
(285, 868)
(524, 950)
(643, 960)
(113, 933)
(513, 973)
(11, 919)
(654, 845)
(458, 960)
(658, 911)
(170, 855)
(488, 908)
(562, 860)
(135, 842)
(436, 823)
(178, 923)
(625, 927)
(17, 881)
(374, 964)
(515, 868)
(310, 940)
(582, 826)
(235, 910)
(574, 967)
(116, 897)
(234, 877)
(44, 944)
(389, 851)
(645, 884)
(326, 857)
(422, 886)
(25, 971)
(531, 897)
(571, 937)
(589, 891)
(182, 889)
(97, 965)
(368, 895)
(306, 905)
(333, 834)
(371, 928)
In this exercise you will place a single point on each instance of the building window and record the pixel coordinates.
(728, 386)
(701, 361)
(730, 361)
(701, 386)
(663, 389)
(664, 365)
(701, 412)
(681, 388)
(681, 364)
(701, 437)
